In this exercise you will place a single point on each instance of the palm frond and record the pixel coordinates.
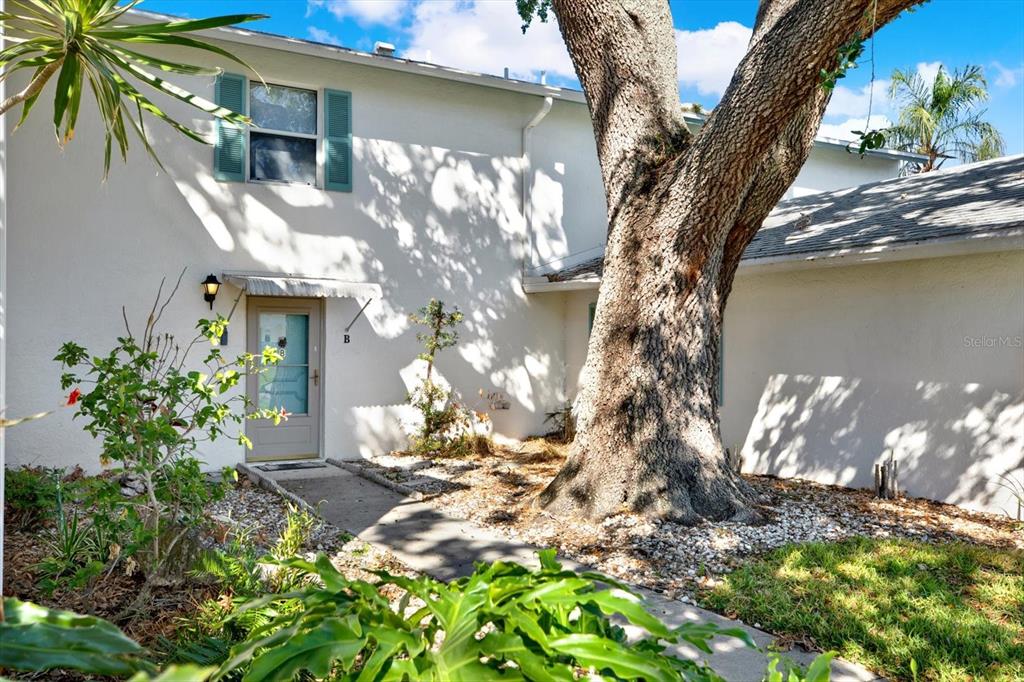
(942, 118)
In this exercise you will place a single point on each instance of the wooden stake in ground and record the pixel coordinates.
(887, 479)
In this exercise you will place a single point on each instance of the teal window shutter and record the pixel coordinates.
(338, 140)
(229, 152)
(592, 308)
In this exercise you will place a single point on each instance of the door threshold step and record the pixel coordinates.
(291, 466)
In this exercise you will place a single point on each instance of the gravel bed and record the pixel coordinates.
(496, 491)
(261, 515)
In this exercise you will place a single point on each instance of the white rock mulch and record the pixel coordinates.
(679, 560)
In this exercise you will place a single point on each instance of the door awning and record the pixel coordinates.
(271, 284)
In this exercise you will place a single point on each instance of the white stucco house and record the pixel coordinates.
(371, 183)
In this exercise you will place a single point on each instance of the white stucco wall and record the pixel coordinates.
(828, 168)
(566, 232)
(828, 370)
(434, 212)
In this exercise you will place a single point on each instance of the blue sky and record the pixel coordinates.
(485, 36)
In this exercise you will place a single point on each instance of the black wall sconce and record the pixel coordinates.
(210, 287)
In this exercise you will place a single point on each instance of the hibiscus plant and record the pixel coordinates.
(152, 409)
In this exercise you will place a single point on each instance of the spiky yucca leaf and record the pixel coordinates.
(82, 44)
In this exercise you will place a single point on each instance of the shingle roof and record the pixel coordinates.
(963, 202)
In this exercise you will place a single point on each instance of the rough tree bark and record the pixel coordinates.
(682, 208)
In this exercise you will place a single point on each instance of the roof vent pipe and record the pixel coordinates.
(384, 49)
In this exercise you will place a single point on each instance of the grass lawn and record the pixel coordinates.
(955, 609)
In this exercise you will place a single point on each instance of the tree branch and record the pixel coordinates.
(772, 179)
(792, 42)
(624, 52)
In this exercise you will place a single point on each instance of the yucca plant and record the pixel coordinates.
(82, 42)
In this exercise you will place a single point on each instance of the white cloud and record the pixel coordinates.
(849, 102)
(322, 36)
(487, 37)
(708, 57)
(844, 130)
(1006, 77)
(928, 70)
(362, 11)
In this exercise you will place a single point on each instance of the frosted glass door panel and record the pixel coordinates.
(286, 385)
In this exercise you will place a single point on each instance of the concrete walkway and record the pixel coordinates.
(427, 540)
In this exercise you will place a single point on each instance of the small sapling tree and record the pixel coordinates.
(445, 422)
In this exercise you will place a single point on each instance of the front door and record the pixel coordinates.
(292, 325)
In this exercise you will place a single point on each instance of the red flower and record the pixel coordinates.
(73, 398)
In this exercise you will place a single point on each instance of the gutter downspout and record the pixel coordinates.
(524, 199)
(3, 304)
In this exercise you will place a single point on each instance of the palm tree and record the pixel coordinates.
(79, 41)
(941, 119)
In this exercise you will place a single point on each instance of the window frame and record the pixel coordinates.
(318, 137)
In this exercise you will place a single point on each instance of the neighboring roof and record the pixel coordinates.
(311, 48)
(979, 201)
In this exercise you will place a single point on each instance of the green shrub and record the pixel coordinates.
(299, 525)
(70, 559)
(238, 569)
(241, 571)
(502, 622)
(235, 569)
(151, 412)
(30, 495)
(76, 551)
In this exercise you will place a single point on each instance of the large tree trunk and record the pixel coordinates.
(647, 415)
(681, 210)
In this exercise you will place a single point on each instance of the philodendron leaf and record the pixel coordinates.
(821, 668)
(503, 622)
(699, 634)
(334, 640)
(177, 673)
(604, 654)
(36, 638)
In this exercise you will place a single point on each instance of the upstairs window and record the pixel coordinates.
(283, 139)
(299, 135)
